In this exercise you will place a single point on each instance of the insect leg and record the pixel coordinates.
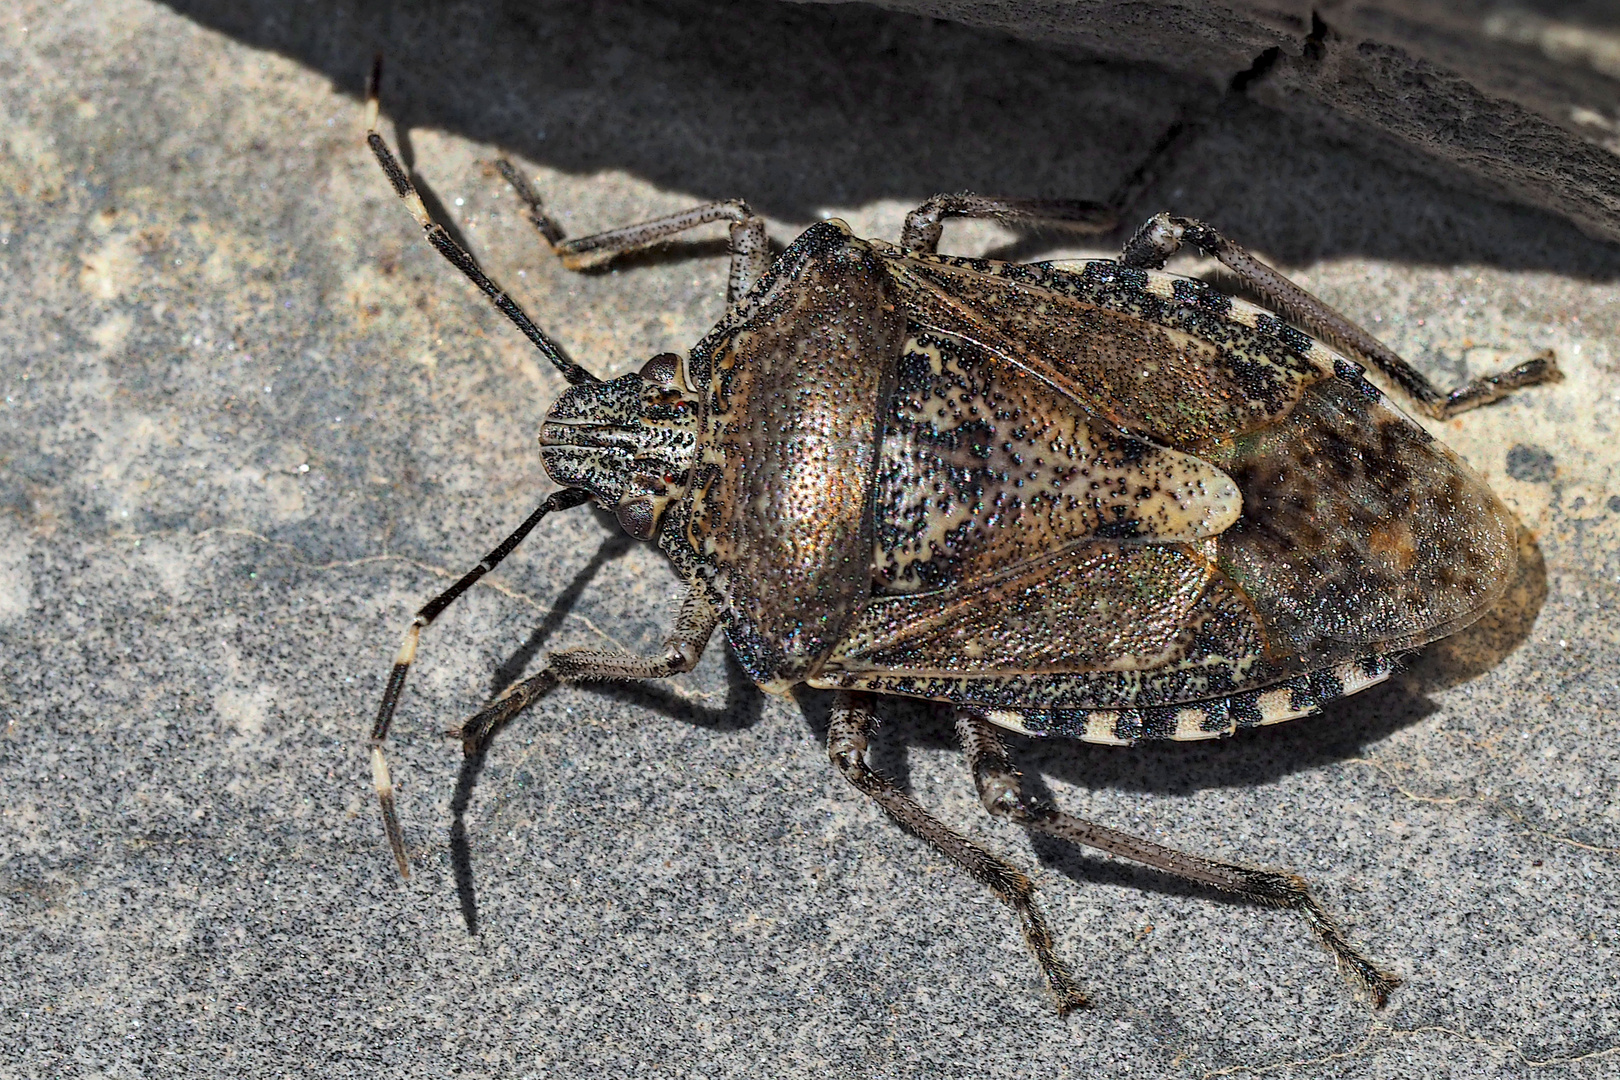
(923, 225)
(458, 256)
(561, 500)
(1000, 787)
(1076, 216)
(847, 738)
(1163, 235)
(750, 250)
(694, 625)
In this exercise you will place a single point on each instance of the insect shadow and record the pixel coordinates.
(430, 198)
(1479, 648)
(1341, 732)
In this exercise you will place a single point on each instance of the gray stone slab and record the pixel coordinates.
(250, 421)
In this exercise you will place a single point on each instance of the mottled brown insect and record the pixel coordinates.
(1090, 500)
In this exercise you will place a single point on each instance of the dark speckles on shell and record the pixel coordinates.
(1205, 296)
(1174, 367)
(1159, 723)
(1216, 718)
(1103, 274)
(788, 441)
(1352, 373)
(983, 466)
(1210, 719)
(1090, 500)
(1316, 688)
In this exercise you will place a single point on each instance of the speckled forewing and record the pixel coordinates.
(1153, 353)
(778, 510)
(1092, 606)
(1358, 535)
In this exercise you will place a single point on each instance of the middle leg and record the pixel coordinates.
(1163, 235)
(925, 224)
(1081, 217)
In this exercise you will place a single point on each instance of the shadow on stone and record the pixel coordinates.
(513, 667)
(797, 108)
(460, 847)
(744, 700)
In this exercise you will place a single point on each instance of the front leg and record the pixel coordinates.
(750, 249)
(694, 625)
(1163, 235)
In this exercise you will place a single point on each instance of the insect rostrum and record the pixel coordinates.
(1090, 500)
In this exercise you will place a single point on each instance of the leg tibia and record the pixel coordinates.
(925, 224)
(750, 249)
(847, 737)
(1000, 788)
(1163, 235)
(694, 625)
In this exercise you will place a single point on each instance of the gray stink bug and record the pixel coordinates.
(1087, 499)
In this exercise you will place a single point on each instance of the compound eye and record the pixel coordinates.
(661, 369)
(636, 517)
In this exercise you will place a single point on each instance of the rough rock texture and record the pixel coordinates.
(250, 421)
(1507, 99)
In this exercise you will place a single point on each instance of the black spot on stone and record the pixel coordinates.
(1530, 463)
(1614, 504)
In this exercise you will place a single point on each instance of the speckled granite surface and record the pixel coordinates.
(250, 421)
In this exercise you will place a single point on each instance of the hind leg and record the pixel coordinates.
(1001, 791)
